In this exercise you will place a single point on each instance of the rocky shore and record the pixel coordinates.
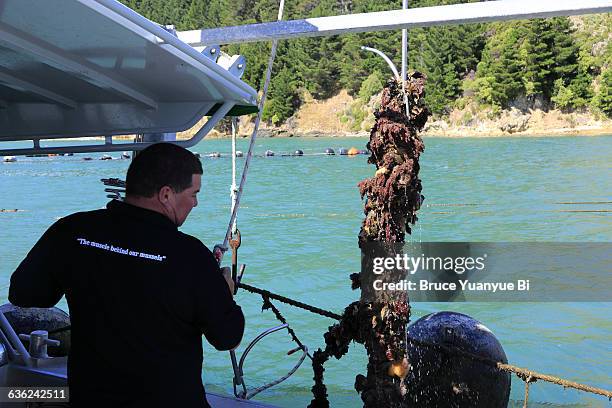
(330, 118)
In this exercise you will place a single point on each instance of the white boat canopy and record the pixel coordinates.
(74, 68)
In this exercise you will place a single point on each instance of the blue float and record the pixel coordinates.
(439, 378)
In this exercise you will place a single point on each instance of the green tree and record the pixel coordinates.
(498, 77)
(447, 55)
(535, 58)
(282, 97)
(603, 99)
(544, 60)
(371, 86)
(163, 12)
(564, 97)
(208, 14)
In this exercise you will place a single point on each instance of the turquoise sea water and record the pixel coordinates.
(300, 217)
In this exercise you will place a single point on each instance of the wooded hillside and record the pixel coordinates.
(562, 63)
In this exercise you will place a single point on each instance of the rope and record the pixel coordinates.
(527, 382)
(270, 295)
(522, 373)
(249, 155)
(233, 188)
(268, 305)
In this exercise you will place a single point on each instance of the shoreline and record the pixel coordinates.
(454, 134)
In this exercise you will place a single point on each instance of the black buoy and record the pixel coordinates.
(269, 153)
(239, 153)
(329, 151)
(298, 152)
(26, 320)
(343, 151)
(439, 379)
(214, 155)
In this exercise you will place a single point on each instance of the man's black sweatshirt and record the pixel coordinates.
(140, 295)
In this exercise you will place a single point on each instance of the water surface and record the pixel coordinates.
(300, 218)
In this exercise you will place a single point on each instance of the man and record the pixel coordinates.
(140, 293)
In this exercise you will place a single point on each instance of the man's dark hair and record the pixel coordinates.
(162, 164)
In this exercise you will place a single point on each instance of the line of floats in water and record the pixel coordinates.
(353, 151)
(12, 159)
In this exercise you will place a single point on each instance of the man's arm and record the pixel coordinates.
(219, 317)
(34, 284)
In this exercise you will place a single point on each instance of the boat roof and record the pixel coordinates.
(97, 68)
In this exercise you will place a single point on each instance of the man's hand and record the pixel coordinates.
(226, 271)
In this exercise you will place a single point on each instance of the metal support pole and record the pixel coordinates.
(404, 45)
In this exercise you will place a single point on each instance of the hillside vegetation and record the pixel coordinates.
(482, 71)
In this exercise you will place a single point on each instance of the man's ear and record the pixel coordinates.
(164, 194)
